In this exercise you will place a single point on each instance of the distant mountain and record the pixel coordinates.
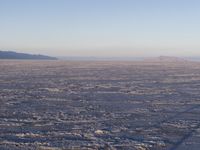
(15, 55)
(166, 59)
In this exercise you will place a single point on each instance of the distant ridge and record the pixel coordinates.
(15, 55)
(166, 59)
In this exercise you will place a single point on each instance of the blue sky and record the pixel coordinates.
(110, 28)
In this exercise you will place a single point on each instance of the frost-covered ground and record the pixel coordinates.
(99, 105)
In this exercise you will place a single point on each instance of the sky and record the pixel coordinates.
(101, 28)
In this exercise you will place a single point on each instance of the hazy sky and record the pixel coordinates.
(101, 27)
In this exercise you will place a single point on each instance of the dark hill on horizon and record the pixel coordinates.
(15, 55)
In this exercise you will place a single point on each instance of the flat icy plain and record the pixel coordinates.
(99, 105)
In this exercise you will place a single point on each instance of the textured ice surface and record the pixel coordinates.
(99, 105)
